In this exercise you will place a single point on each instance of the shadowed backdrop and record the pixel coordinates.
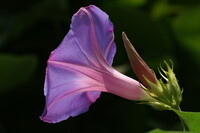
(159, 29)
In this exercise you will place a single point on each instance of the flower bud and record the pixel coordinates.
(166, 95)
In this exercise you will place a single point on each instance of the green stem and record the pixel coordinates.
(182, 122)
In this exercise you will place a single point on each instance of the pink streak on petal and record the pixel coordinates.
(114, 82)
(94, 40)
(109, 46)
(93, 95)
(92, 88)
(124, 86)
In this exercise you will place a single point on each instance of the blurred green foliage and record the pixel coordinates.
(159, 29)
(15, 70)
(161, 131)
(187, 30)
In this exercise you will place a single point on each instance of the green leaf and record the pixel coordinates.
(162, 131)
(15, 70)
(192, 119)
(187, 30)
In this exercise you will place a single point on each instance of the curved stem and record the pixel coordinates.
(182, 122)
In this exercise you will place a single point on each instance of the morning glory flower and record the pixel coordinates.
(79, 69)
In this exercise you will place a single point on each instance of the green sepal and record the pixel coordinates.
(165, 96)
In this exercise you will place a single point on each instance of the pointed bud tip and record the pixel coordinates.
(127, 43)
(125, 38)
(123, 34)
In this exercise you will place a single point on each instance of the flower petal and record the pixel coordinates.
(75, 88)
(71, 89)
(91, 34)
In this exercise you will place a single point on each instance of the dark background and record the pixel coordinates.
(159, 29)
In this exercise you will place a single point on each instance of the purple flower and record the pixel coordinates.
(79, 69)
